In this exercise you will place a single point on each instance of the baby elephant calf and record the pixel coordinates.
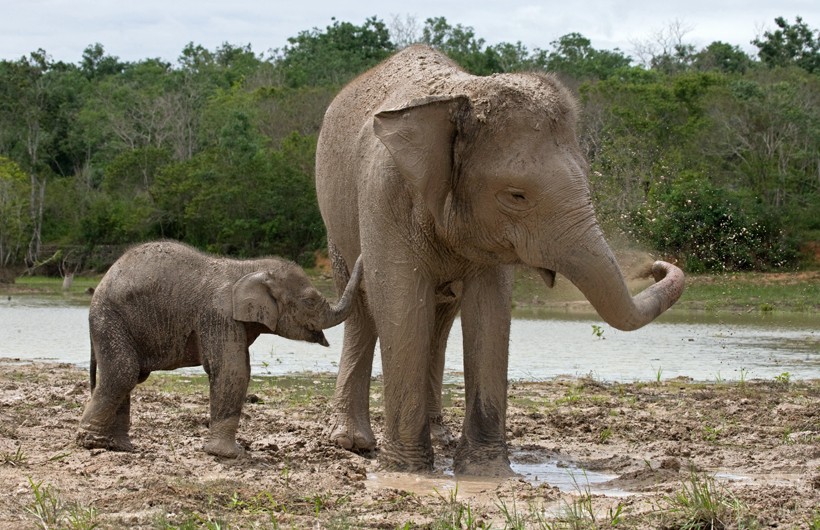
(165, 305)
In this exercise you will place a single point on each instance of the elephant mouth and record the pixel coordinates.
(319, 338)
(547, 275)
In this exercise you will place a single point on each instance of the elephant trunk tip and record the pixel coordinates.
(670, 280)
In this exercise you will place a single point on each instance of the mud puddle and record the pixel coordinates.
(566, 476)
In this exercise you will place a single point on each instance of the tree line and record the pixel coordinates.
(710, 156)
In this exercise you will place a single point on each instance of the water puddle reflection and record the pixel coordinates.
(565, 475)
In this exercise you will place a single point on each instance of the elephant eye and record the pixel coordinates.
(514, 199)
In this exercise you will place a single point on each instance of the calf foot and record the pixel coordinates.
(224, 448)
(91, 440)
(351, 434)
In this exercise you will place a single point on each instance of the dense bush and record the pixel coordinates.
(707, 228)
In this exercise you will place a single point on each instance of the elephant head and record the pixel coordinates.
(501, 172)
(288, 305)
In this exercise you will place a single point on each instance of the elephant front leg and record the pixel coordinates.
(229, 374)
(482, 449)
(405, 314)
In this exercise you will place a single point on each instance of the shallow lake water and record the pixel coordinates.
(703, 346)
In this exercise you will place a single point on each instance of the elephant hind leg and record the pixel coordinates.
(448, 299)
(350, 424)
(107, 417)
(115, 437)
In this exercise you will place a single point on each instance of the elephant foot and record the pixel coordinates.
(90, 440)
(353, 435)
(224, 448)
(482, 462)
(407, 459)
(440, 433)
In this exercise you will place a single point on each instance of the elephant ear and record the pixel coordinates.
(254, 302)
(420, 138)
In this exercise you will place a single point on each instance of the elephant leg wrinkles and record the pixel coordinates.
(482, 449)
(405, 318)
(350, 425)
(228, 368)
(449, 303)
(107, 418)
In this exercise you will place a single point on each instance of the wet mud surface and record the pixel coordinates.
(585, 451)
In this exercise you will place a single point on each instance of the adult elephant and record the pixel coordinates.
(443, 181)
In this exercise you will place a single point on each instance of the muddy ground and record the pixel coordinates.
(751, 450)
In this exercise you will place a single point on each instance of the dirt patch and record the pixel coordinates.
(756, 445)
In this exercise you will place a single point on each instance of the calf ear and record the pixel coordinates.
(253, 301)
(420, 138)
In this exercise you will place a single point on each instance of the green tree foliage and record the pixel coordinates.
(14, 212)
(791, 44)
(574, 55)
(722, 57)
(710, 156)
(335, 55)
(461, 44)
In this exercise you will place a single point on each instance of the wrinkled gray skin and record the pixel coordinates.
(444, 181)
(165, 305)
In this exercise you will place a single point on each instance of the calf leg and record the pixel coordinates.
(107, 416)
(228, 368)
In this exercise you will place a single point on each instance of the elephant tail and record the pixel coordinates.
(92, 368)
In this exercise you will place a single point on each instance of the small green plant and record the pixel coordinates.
(743, 373)
(285, 474)
(605, 435)
(783, 379)
(16, 458)
(814, 522)
(787, 438)
(512, 519)
(457, 514)
(49, 511)
(46, 506)
(710, 434)
(598, 331)
(573, 395)
(194, 521)
(658, 375)
(766, 308)
(581, 513)
(702, 503)
(82, 517)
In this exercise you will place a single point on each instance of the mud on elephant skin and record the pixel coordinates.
(164, 305)
(443, 182)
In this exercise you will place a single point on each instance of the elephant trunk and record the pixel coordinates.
(593, 269)
(339, 311)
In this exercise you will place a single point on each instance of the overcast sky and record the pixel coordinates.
(138, 29)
